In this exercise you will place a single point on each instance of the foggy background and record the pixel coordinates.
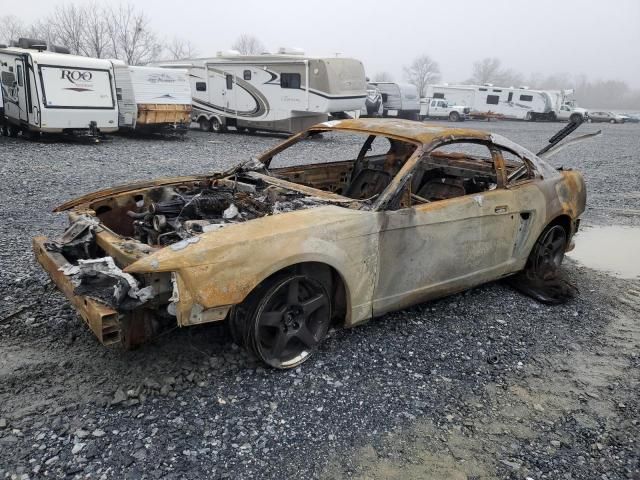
(587, 45)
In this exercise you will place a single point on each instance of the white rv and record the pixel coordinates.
(285, 92)
(507, 102)
(45, 91)
(152, 99)
(399, 99)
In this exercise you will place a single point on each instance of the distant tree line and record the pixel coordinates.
(613, 94)
(100, 31)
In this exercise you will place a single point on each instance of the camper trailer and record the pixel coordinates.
(47, 91)
(284, 92)
(399, 99)
(152, 99)
(506, 102)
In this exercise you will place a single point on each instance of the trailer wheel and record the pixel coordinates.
(12, 131)
(454, 117)
(205, 125)
(216, 126)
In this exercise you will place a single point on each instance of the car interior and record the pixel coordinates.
(451, 170)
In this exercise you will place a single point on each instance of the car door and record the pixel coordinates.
(436, 248)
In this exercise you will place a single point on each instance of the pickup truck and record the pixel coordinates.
(572, 113)
(438, 108)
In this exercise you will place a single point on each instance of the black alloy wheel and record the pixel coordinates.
(288, 321)
(548, 252)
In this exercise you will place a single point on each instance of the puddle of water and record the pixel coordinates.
(615, 250)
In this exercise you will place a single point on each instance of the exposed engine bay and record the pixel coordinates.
(165, 215)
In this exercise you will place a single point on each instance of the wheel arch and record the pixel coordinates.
(327, 273)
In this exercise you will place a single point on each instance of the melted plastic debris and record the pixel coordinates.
(102, 280)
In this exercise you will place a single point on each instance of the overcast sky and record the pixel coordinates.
(597, 38)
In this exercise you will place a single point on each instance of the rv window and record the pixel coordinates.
(201, 86)
(19, 74)
(526, 98)
(510, 97)
(246, 74)
(482, 89)
(8, 78)
(229, 79)
(290, 80)
(493, 99)
(438, 95)
(433, 103)
(495, 90)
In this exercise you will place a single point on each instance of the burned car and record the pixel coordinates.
(281, 252)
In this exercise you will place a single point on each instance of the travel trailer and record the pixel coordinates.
(152, 99)
(399, 99)
(506, 102)
(47, 91)
(284, 92)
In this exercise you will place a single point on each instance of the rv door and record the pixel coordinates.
(21, 90)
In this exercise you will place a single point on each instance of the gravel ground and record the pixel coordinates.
(485, 384)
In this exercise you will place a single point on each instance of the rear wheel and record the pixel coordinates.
(548, 253)
(284, 321)
(454, 117)
(612, 121)
(217, 126)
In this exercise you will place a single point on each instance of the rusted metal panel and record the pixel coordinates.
(154, 114)
(102, 320)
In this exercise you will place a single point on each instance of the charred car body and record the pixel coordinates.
(418, 212)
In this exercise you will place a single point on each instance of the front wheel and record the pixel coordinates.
(283, 322)
(612, 121)
(454, 117)
(204, 124)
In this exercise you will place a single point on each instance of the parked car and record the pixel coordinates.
(605, 117)
(438, 108)
(631, 117)
(280, 252)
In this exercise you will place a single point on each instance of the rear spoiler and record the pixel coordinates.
(554, 142)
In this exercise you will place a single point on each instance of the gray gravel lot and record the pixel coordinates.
(485, 384)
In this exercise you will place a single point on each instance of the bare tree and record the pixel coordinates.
(489, 70)
(12, 28)
(248, 45)
(132, 40)
(383, 77)
(96, 32)
(180, 48)
(422, 71)
(68, 23)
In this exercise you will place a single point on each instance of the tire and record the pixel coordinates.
(548, 253)
(217, 126)
(575, 118)
(241, 129)
(454, 117)
(283, 321)
(251, 131)
(205, 125)
(12, 131)
(612, 121)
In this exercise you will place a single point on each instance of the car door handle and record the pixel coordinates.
(501, 209)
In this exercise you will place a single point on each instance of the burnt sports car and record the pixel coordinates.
(282, 251)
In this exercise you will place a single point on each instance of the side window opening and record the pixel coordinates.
(493, 99)
(246, 75)
(229, 79)
(438, 95)
(526, 98)
(450, 171)
(518, 169)
(290, 80)
(201, 86)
